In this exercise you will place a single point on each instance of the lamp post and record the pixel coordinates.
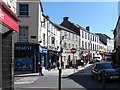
(60, 66)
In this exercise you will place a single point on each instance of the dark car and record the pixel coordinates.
(93, 61)
(105, 69)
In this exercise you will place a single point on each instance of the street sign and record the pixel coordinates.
(73, 50)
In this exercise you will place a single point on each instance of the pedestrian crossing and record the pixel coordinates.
(26, 80)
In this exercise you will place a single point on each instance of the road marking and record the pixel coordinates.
(26, 80)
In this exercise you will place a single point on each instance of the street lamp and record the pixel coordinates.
(60, 66)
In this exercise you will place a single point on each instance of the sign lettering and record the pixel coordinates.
(23, 48)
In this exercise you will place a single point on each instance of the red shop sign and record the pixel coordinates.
(7, 20)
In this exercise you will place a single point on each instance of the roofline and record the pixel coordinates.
(41, 5)
(64, 28)
(116, 24)
(107, 36)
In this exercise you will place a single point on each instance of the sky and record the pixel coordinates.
(100, 16)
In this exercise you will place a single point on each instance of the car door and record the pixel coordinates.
(95, 71)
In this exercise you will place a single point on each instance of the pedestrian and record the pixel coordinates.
(54, 65)
(62, 64)
(39, 66)
(58, 64)
(49, 64)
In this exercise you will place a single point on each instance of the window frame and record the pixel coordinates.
(23, 34)
(26, 12)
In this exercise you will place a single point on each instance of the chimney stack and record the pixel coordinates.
(48, 17)
(87, 28)
(65, 18)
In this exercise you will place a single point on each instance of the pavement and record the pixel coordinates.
(71, 79)
(55, 71)
(49, 81)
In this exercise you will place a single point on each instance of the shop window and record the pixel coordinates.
(23, 64)
(23, 9)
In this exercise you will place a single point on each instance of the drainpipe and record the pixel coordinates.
(47, 41)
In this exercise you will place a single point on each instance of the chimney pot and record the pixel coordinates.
(87, 28)
(65, 18)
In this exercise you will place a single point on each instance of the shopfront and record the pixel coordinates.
(54, 55)
(44, 56)
(8, 25)
(27, 56)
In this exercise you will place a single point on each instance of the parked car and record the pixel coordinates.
(97, 59)
(110, 72)
(93, 61)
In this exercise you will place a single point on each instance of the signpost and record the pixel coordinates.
(73, 50)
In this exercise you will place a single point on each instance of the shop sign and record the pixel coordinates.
(43, 50)
(1, 15)
(23, 48)
(67, 51)
(7, 20)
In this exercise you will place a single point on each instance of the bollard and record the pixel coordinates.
(104, 80)
(59, 88)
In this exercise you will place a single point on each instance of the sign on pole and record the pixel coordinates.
(73, 50)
